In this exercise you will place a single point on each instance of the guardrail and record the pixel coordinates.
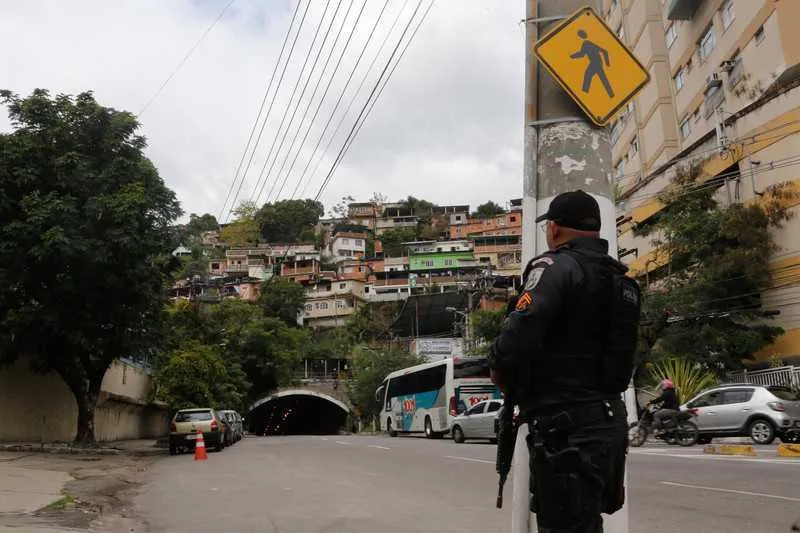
(788, 376)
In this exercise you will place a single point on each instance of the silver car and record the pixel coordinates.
(761, 413)
(477, 422)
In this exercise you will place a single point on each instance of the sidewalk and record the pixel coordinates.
(60, 493)
(137, 448)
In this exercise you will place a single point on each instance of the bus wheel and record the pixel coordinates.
(392, 433)
(429, 433)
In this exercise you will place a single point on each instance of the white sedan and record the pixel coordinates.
(478, 422)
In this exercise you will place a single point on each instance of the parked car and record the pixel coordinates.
(226, 426)
(759, 412)
(477, 422)
(187, 422)
(235, 419)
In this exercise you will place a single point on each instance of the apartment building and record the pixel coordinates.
(348, 245)
(724, 94)
(330, 302)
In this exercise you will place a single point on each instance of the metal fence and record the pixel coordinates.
(788, 376)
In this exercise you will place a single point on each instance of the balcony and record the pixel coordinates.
(237, 268)
(682, 9)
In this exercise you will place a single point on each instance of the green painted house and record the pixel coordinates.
(425, 262)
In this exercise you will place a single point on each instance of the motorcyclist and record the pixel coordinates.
(667, 404)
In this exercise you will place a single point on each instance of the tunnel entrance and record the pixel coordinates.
(297, 412)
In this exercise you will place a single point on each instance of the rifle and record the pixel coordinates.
(506, 440)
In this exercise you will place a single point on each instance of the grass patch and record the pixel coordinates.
(62, 503)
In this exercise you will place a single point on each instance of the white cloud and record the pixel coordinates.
(448, 127)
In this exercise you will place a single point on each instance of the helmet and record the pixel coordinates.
(667, 384)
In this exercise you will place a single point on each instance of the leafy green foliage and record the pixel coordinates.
(488, 210)
(369, 367)
(708, 308)
(393, 239)
(85, 241)
(240, 233)
(282, 299)
(289, 221)
(486, 323)
(197, 376)
(688, 377)
(200, 223)
(265, 348)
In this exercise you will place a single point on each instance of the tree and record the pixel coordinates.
(689, 378)
(282, 299)
(289, 220)
(247, 210)
(342, 208)
(85, 241)
(369, 367)
(197, 376)
(371, 322)
(393, 239)
(707, 307)
(487, 323)
(488, 210)
(200, 223)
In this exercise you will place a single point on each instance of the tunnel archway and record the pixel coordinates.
(297, 412)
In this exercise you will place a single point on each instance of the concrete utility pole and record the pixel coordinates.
(564, 151)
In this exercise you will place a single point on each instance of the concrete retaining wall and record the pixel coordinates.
(41, 408)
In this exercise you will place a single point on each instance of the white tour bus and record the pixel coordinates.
(427, 397)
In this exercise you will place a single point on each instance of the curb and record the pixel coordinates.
(745, 450)
(789, 450)
(69, 450)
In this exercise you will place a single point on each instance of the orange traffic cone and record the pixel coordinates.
(200, 448)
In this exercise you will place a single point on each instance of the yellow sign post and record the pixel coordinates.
(592, 64)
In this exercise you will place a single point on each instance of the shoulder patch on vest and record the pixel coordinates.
(524, 302)
(533, 278)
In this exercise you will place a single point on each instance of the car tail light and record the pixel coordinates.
(173, 427)
(214, 425)
(453, 411)
(777, 406)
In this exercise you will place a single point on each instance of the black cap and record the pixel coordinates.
(574, 209)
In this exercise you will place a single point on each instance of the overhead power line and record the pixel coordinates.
(272, 102)
(259, 186)
(185, 59)
(346, 112)
(362, 114)
(325, 93)
(258, 116)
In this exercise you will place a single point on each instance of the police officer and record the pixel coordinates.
(566, 354)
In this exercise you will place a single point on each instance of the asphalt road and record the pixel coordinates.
(360, 484)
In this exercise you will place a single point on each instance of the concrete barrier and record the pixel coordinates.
(789, 450)
(745, 450)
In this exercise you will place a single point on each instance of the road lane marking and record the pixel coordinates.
(735, 459)
(379, 447)
(324, 438)
(469, 459)
(731, 491)
(342, 442)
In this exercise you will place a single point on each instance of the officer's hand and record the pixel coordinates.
(497, 379)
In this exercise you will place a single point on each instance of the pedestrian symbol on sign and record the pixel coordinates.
(595, 66)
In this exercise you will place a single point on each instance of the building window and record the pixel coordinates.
(309, 307)
(359, 242)
(759, 36)
(621, 32)
(513, 219)
(616, 128)
(727, 14)
(686, 127)
(448, 262)
(696, 115)
(343, 285)
(345, 241)
(323, 305)
(680, 79)
(339, 304)
(619, 169)
(427, 263)
(671, 35)
(458, 218)
(634, 146)
(707, 43)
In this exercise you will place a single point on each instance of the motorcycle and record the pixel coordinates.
(682, 431)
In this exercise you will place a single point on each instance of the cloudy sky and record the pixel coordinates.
(447, 128)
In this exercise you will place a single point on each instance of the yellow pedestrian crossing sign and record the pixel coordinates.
(592, 64)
